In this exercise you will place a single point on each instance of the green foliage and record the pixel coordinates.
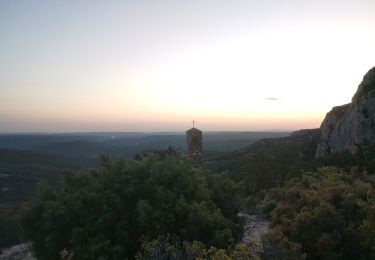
(269, 162)
(105, 213)
(330, 214)
(259, 169)
(277, 246)
(362, 160)
(172, 248)
(20, 172)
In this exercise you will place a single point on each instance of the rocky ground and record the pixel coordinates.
(17, 252)
(255, 226)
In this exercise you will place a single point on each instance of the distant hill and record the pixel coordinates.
(91, 145)
(21, 170)
(33, 141)
(299, 146)
(48, 155)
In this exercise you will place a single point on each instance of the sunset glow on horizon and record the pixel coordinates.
(70, 66)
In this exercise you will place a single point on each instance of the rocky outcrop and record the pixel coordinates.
(350, 126)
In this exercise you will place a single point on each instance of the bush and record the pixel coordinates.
(105, 213)
(172, 248)
(330, 214)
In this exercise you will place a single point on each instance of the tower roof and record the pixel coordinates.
(193, 130)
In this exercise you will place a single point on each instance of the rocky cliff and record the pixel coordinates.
(352, 125)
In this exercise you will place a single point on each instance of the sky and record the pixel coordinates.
(71, 66)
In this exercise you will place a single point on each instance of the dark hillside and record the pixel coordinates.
(298, 146)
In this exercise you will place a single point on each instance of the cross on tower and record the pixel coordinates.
(193, 123)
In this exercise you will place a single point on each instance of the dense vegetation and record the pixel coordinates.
(172, 248)
(270, 162)
(162, 206)
(108, 212)
(28, 159)
(324, 215)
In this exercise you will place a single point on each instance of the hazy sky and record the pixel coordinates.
(157, 65)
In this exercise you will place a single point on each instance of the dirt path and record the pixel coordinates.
(255, 226)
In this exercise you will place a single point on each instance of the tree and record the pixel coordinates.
(107, 212)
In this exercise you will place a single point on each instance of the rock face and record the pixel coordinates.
(352, 125)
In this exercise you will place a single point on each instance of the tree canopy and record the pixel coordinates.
(106, 213)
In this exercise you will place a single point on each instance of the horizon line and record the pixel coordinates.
(140, 132)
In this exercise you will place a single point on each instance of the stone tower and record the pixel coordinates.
(194, 143)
